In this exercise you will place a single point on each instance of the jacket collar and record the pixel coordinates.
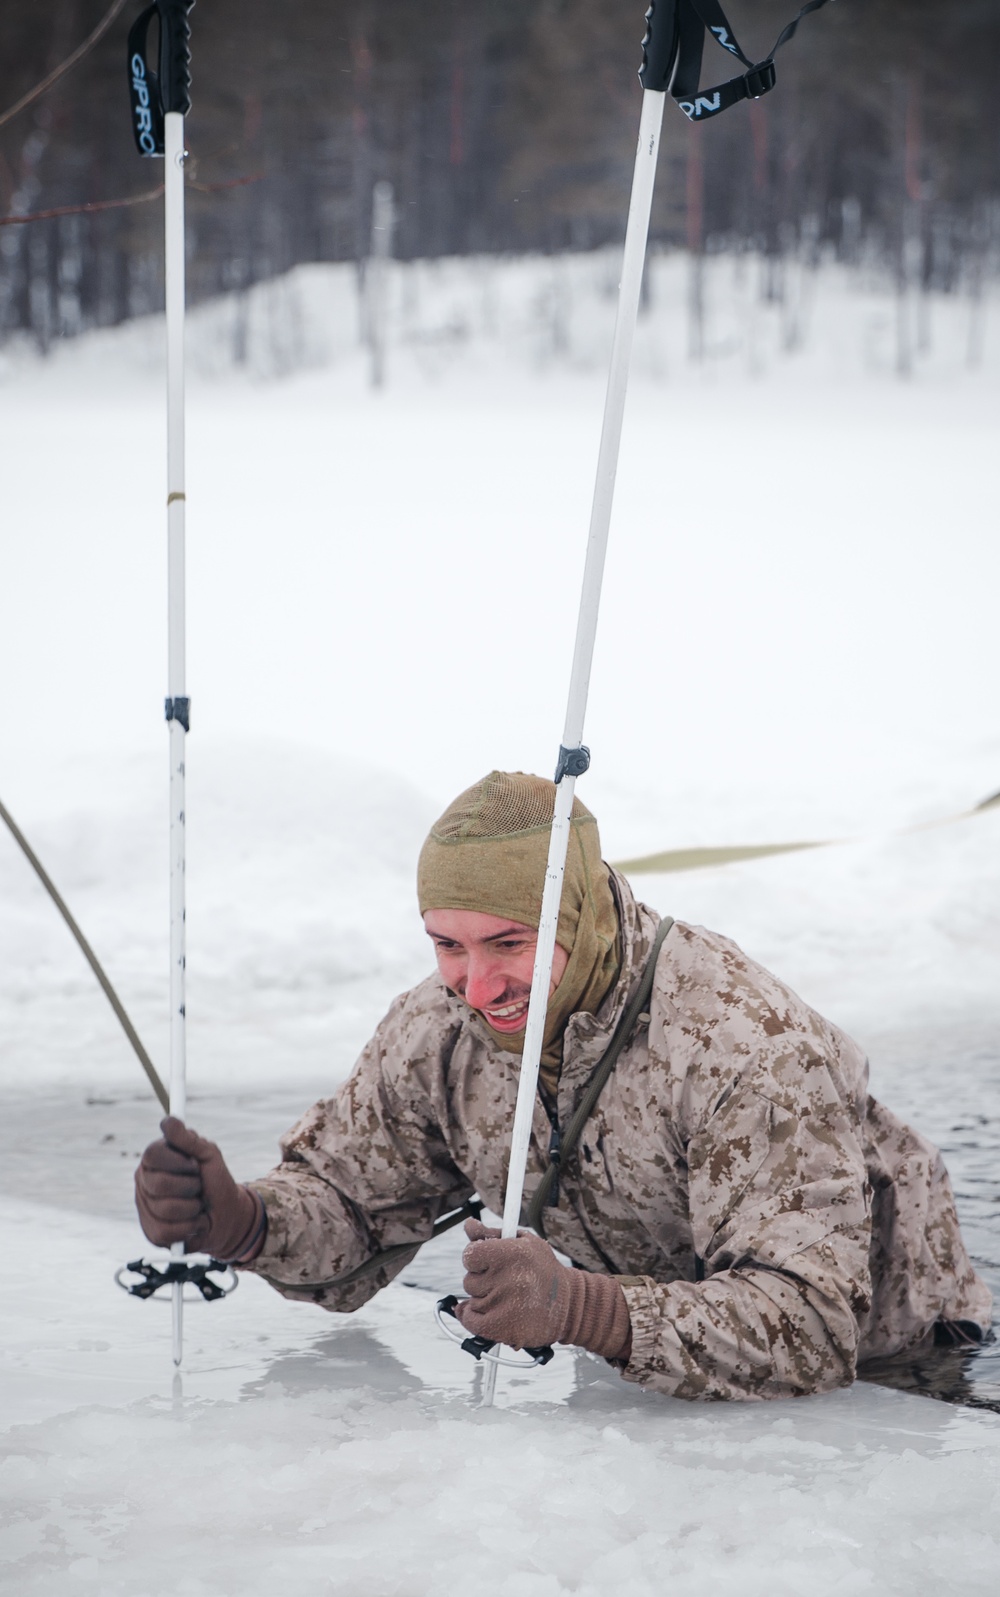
(587, 1036)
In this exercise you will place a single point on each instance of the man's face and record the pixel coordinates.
(488, 961)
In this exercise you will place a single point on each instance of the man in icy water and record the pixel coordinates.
(744, 1221)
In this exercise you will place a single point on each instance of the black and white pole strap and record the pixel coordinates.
(165, 86)
(672, 51)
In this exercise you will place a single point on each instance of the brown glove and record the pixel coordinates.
(184, 1193)
(520, 1294)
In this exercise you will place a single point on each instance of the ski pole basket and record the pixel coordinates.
(480, 1346)
(178, 1273)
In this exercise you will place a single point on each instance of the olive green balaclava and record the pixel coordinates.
(488, 852)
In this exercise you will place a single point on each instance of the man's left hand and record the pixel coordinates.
(520, 1294)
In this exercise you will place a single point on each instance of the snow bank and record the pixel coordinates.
(453, 317)
(798, 587)
(303, 923)
(301, 912)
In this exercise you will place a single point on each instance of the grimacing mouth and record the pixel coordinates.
(511, 1006)
(506, 1011)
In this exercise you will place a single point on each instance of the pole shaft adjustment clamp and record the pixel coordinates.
(178, 709)
(572, 762)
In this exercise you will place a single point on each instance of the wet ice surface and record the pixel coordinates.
(326, 1454)
(947, 1082)
(346, 1455)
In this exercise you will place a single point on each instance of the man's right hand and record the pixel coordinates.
(185, 1193)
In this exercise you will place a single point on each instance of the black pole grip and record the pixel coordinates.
(659, 47)
(144, 87)
(175, 55)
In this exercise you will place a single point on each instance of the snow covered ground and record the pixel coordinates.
(798, 641)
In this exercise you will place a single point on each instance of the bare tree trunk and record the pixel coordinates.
(917, 196)
(977, 259)
(361, 74)
(904, 305)
(377, 277)
(695, 230)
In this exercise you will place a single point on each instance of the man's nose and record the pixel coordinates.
(485, 981)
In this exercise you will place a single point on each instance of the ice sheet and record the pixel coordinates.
(342, 1455)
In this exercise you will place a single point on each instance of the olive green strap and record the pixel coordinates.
(598, 1080)
(470, 1209)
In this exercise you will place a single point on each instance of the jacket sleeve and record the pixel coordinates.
(781, 1227)
(363, 1171)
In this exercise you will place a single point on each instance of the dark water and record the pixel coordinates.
(945, 1079)
(77, 1152)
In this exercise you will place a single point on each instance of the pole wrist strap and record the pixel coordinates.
(672, 52)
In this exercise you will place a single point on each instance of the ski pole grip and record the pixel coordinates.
(175, 55)
(144, 87)
(659, 47)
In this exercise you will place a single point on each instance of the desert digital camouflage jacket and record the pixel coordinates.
(772, 1225)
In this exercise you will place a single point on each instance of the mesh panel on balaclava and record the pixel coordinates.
(488, 852)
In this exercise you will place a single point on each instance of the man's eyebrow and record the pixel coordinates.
(512, 931)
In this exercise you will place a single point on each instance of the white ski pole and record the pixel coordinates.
(573, 757)
(177, 703)
(160, 102)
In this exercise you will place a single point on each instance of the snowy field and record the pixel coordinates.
(798, 641)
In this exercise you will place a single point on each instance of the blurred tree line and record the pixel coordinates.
(502, 127)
